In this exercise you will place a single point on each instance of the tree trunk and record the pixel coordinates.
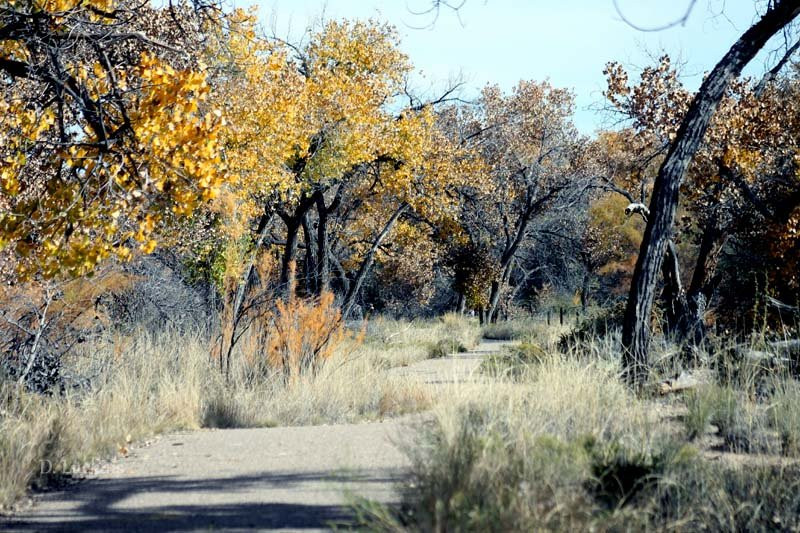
(366, 263)
(310, 264)
(293, 222)
(701, 288)
(494, 298)
(663, 204)
(585, 290)
(673, 295)
(241, 290)
(288, 273)
(497, 289)
(510, 253)
(323, 246)
(461, 306)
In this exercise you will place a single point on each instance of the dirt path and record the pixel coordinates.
(288, 478)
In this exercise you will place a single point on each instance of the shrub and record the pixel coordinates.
(715, 496)
(514, 361)
(737, 423)
(521, 457)
(571, 449)
(699, 412)
(304, 333)
(598, 325)
(621, 475)
(445, 348)
(453, 333)
(509, 330)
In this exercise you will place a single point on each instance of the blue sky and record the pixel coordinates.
(565, 41)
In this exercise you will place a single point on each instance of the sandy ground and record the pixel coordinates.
(285, 479)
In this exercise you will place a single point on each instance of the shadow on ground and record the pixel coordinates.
(98, 505)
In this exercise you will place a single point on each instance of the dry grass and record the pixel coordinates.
(402, 342)
(156, 386)
(352, 386)
(525, 329)
(556, 442)
(143, 385)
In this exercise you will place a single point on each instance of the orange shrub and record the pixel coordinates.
(305, 332)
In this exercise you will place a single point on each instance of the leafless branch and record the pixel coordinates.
(681, 21)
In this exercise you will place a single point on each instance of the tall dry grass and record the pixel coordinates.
(156, 385)
(144, 384)
(403, 342)
(555, 441)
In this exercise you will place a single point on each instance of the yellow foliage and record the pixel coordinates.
(68, 210)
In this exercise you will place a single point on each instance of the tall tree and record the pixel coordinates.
(536, 162)
(664, 200)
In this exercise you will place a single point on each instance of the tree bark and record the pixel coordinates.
(585, 290)
(701, 288)
(288, 273)
(497, 289)
(663, 204)
(323, 239)
(293, 222)
(673, 295)
(310, 264)
(510, 252)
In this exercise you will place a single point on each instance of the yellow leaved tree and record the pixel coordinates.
(316, 135)
(105, 132)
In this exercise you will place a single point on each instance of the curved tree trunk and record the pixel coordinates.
(664, 201)
(366, 263)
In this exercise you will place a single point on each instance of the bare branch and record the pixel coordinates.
(681, 21)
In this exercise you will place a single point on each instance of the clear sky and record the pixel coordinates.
(565, 41)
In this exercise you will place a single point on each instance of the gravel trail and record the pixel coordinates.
(269, 479)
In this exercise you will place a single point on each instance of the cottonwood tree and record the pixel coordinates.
(536, 163)
(313, 137)
(739, 172)
(104, 131)
(664, 199)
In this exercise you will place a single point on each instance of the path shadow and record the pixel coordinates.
(95, 505)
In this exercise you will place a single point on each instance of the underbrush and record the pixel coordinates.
(524, 329)
(559, 443)
(515, 362)
(155, 386)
